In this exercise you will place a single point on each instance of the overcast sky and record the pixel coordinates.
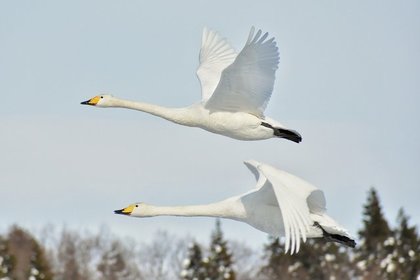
(348, 81)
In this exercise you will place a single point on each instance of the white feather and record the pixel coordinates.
(215, 55)
(246, 85)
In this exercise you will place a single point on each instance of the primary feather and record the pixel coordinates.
(246, 85)
(215, 55)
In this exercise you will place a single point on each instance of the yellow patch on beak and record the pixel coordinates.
(129, 209)
(93, 101)
(126, 211)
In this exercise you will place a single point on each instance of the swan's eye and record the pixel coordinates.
(137, 205)
(102, 97)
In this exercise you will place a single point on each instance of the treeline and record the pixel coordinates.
(383, 252)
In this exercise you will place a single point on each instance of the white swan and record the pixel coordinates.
(281, 204)
(235, 91)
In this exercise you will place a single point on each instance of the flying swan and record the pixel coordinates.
(235, 90)
(281, 204)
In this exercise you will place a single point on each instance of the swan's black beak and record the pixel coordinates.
(121, 212)
(85, 102)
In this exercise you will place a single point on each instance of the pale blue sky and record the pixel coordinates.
(348, 81)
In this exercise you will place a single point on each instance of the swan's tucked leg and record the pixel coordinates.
(288, 134)
(336, 237)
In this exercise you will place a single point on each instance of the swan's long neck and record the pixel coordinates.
(177, 115)
(224, 209)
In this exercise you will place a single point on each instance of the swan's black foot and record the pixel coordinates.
(336, 237)
(284, 133)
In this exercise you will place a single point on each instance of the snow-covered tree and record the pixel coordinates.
(276, 262)
(193, 266)
(408, 241)
(247, 260)
(334, 260)
(375, 227)
(316, 259)
(219, 262)
(403, 258)
(6, 260)
(39, 268)
(386, 253)
(376, 241)
(115, 264)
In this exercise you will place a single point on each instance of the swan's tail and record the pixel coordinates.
(336, 237)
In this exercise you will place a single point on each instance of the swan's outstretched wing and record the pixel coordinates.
(253, 167)
(215, 55)
(314, 197)
(246, 85)
(316, 202)
(295, 197)
(292, 194)
(293, 206)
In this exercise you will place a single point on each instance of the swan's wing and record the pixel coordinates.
(215, 55)
(253, 167)
(315, 198)
(291, 193)
(295, 197)
(260, 194)
(316, 202)
(246, 85)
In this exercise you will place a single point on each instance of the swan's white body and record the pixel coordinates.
(281, 204)
(235, 91)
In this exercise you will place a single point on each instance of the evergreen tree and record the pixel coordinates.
(376, 236)
(6, 260)
(375, 227)
(316, 259)
(403, 250)
(276, 261)
(193, 266)
(39, 268)
(334, 261)
(220, 259)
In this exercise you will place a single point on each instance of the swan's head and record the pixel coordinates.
(134, 209)
(103, 100)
